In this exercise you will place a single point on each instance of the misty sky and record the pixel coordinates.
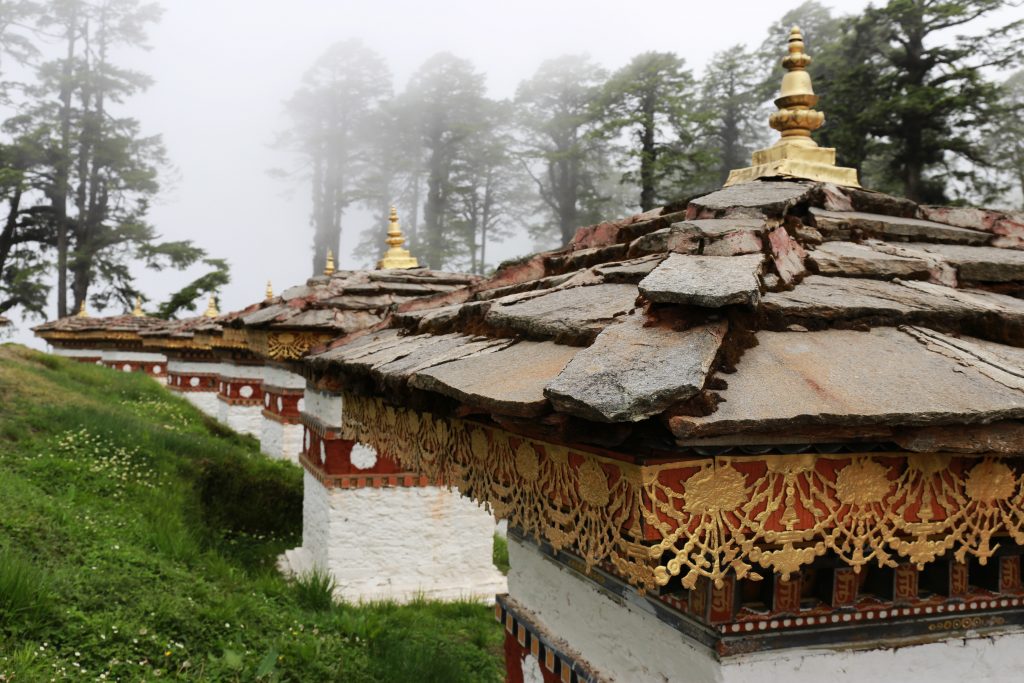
(222, 69)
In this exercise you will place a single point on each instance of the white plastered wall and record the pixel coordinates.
(283, 441)
(626, 642)
(76, 353)
(242, 419)
(279, 440)
(397, 543)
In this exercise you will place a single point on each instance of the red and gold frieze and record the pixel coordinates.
(712, 517)
(193, 381)
(281, 404)
(329, 458)
(156, 369)
(240, 391)
(284, 345)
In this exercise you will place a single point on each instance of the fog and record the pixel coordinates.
(222, 69)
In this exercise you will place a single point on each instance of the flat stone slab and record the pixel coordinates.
(848, 378)
(635, 369)
(509, 381)
(912, 229)
(709, 281)
(859, 260)
(579, 311)
(767, 198)
(978, 264)
(820, 298)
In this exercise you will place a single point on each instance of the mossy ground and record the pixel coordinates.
(138, 540)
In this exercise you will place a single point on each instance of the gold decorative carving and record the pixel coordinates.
(795, 154)
(284, 345)
(709, 517)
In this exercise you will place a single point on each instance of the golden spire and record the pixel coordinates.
(270, 290)
(396, 256)
(796, 154)
(137, 312)
(211, 308)
(81, 310)
(329, 268)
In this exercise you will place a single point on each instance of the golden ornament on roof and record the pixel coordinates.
(81, 310)
(270, 290)
(796, 154)
(137, 312)
(396, 256)
(211, 308)
(329, 268)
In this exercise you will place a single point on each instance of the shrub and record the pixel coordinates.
(315, 590)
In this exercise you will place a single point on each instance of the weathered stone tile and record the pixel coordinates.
(710, 281)
(631, 272)
(892, 227)
(580, 311)
(860, 260)
(635, 369)
(509, 381)
(848, 378)
(787, 254)
(756, 199)
(978, 264)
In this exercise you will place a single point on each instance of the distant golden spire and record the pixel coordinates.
(796, 154)
(270, 290)
(396, 256)
(81, 310)
(138, 308)
(329, 268)
(211, 308)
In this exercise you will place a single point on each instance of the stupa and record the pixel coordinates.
(112, 341)
(773, 433)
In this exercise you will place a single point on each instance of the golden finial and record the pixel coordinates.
(396, 256)
(329, 268)
(211, 308)
(137, 312)
(81, 310)
(270, 290)
(796, 154)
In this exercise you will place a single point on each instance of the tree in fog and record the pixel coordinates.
(332, 113)
(446, 95)
(652, 103)
(559, 120)
(734, 118)
(490, 187)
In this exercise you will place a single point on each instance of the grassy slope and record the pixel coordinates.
(137, 540)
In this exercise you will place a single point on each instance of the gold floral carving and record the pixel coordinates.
(707, 517)
(284, 345)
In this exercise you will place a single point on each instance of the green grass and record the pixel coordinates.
(138, 541)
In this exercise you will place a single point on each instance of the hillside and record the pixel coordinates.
(137, 540)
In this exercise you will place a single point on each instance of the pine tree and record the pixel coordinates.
(652, 101)
(565, 157)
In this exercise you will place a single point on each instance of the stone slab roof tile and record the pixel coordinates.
(848, 378)
(636, 368)
(576, 312)
(889, 227)
(709, 281)
(756, 199)
(509, 381)
(850, 259)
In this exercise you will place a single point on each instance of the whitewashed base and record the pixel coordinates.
(627, 642)
(397, 544)
(281, 441)
(205, 401)
(242, 419)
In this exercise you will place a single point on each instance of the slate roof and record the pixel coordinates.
(117, 323)
(772, 312)
(346, 301)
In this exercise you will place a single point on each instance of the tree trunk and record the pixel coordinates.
(62, 168)
(647, 155)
